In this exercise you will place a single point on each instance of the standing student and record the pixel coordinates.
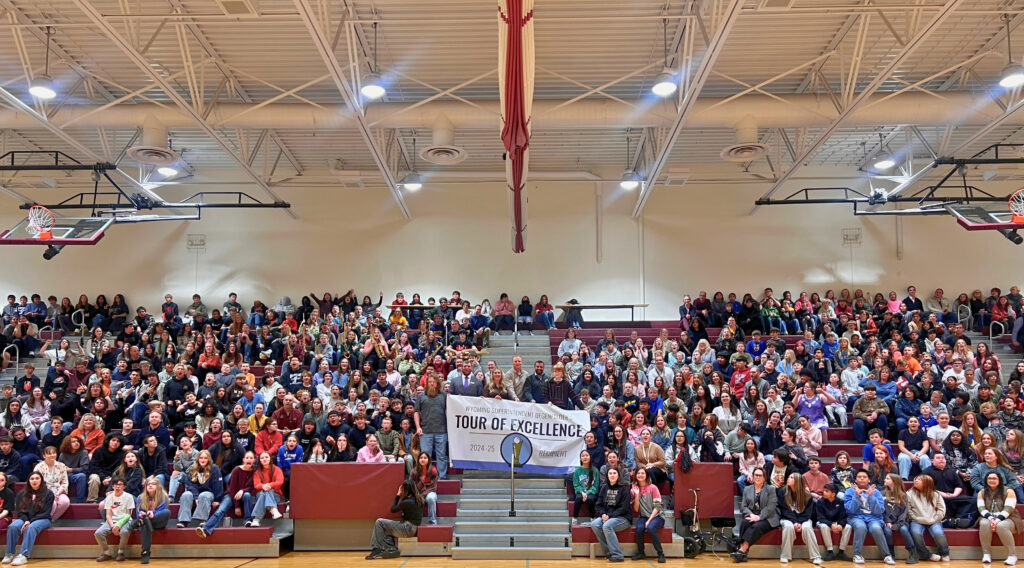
(203, 485)
(153, 514)
(268, 482)
(927, 510)
(998, 508)
(117, 510)
(385, 531)
(613, 509)
(865, 508)
(33, 507)
(647, 508)
(760, 513)
(795, 508)
(432, 425)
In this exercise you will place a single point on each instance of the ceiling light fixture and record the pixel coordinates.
(665, 83)
(1013, 74)
(630, 179)
(167, 171)
(43, 87)
(412, 180)
(372, 86)
(883, 158)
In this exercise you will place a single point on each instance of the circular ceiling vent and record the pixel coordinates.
(444, 155)
(746, 152)
(154, 155)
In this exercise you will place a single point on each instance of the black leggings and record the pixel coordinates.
(579, 502)
(656, 476)
(750, 532)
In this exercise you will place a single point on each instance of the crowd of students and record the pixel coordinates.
(175, 398)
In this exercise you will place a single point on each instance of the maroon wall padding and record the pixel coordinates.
(717, 488)
(344, 490)
(71, 536)
(586, 534)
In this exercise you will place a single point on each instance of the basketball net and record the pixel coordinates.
(40, 221)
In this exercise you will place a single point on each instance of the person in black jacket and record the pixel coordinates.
(153, 458)
(32, 509)
(105, 460)
(227, 454)
(559, 392)
(795, 508)
(385, 531)
(614, 514)
(6, 503)
(830, 517)
(10, 459)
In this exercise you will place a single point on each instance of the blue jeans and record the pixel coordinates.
(741, 483)
(860, 531)
(203, 501)
(649, 528)
(437, 446)
(605, 532)
(861, 427)
(226, 504)
(431, 499)
(78, 481)
(905, 464)
(547, 319)
(33, 530)
(908, 539)
(917, 530)
(264, 500)
(172, 491)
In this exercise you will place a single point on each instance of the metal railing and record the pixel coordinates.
(79, 324)
(963, 315)
(515, 336)
(992, 335)
(17, 356)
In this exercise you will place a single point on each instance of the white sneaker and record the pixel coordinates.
(255, 523)
(889, 560)
(858, 559)
(817, 561)
(19, 560)
(945, 558)
(986, 558)
(935, 558)
(1010, 561)
(275, 514)
(784, 560)
(7, 559)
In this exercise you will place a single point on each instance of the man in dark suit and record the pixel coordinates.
(466, 385)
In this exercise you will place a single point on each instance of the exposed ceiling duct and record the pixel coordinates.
(442, 150)
(782, 111)
(746, 148)
(155, 149)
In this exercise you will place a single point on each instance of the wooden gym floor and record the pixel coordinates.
(345, 559)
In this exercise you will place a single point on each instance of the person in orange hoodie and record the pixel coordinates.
(268, 481)
(269, 439)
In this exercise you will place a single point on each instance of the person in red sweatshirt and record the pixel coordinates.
(268, 482)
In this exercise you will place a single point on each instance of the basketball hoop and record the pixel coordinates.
(40, 222)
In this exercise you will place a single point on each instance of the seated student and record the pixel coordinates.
(32, 508)
(993, 461)
(646, 500)
(117, 512)
(613, 509)
(951, 489)
(896, 519)
(341, 451)
(875, 437)
(913, 448)
(750, 459)
(269, 439)
(814, 478)
(881, 467)
(203, 485)
(842, 474)
(268, 482)
(55, 474)
(104, 461)
(797, 458)
(830, 515)
(153, 457)
(795, 508)
(869, 411)
(184, 458)
(6, 502)
(10, 459)
(585, 481)
(780, 469)
(384, 542)
(76, 458)
(239, 496)
(760, 513)
(865, 508)
(424, 475)
(153, 514)
(997, 506)
(927, 510)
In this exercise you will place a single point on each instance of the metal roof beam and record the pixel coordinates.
(861, 98)
(698, 78)
(322, 42)
(145, 66)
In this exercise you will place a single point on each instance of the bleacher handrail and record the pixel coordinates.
(961, 318)
(79, 324)
(992, 335)
(17, 356)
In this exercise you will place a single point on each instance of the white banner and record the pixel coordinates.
(485, 433)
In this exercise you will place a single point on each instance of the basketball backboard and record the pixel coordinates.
(66, 231)
(978, 218)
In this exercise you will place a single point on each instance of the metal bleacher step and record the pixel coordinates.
(509, 553)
